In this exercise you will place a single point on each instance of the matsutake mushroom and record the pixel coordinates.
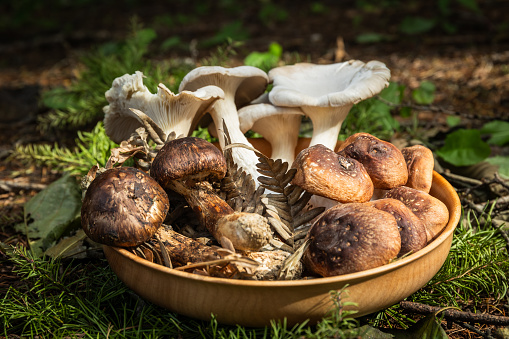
(186, 166)
(323, 172)
(349, 238)
(123, 206)
(411, 229)
(431, 211)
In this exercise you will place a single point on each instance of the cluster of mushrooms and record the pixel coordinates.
(323, 211)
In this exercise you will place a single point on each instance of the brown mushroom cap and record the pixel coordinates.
(323, 172)
(188, 158)
(351, 238)
(383, 161)
(123, 206)
(411, 228)
(420, 162)
(431, 211)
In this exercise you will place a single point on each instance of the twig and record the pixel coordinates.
(455, 315)
(475, 330)
(10, 185)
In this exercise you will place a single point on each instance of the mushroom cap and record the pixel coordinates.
(323, 172)
(411, 228)
(350, 238)
(190, 158)
(247, 231)
(420, 163)
(123, 206)
(383, 161)
(432, 212)
(166, 110)
(339, 84)
(244, 82)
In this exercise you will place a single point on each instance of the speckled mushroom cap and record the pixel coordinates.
(420, 164)
(431, 211)
(188, 158)
(323, 172)
(123, 207)
(350, 238)
(411, 228)
(383, 161)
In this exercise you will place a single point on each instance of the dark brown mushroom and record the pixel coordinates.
(350, 238)
(431, 211)
(123, 207)
(383, 161)
(323, 172)
(411, 228)
(188, 166)
(420, 164)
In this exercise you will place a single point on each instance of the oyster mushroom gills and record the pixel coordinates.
(188, 166)
(352, 237)
(123, 206)
(326, 93)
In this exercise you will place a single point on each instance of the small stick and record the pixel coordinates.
(11, 185)
(455, 315)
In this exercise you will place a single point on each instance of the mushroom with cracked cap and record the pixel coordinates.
(240, 85)
(132, 105)
(123, 206)
(326, 93)
(186, 166)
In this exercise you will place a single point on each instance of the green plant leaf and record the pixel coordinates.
(426, 328)
(265, 60)
(393, 93)
(416, 25)
(464, 147)
(425, 93)
(51, 213)
(502, 163)
(499, 131)
(453, 121)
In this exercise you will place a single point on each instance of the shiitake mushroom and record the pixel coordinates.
(349, 238)
(124, 207)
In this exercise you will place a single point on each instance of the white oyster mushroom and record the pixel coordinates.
(279, 126)
(132, 105)
(240, 85)
(326, 93)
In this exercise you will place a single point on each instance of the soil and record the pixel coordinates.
(466, 55)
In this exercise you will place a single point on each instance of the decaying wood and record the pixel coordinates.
(455, 315)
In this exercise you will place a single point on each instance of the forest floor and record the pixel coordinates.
(468, 62)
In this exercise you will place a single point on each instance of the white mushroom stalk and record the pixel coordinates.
(279, 126)
(240, 85)
(132, 105)
(326, 93)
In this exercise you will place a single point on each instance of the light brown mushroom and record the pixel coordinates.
(350, 238)
(123, 206)
(323, 172)
(420, 164)
(411, 229)
(187, 166)
(431, 211)
(383, 161)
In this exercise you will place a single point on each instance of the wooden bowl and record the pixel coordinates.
(256, 303)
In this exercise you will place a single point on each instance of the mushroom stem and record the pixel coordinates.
(326, 124)
(226, 111)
